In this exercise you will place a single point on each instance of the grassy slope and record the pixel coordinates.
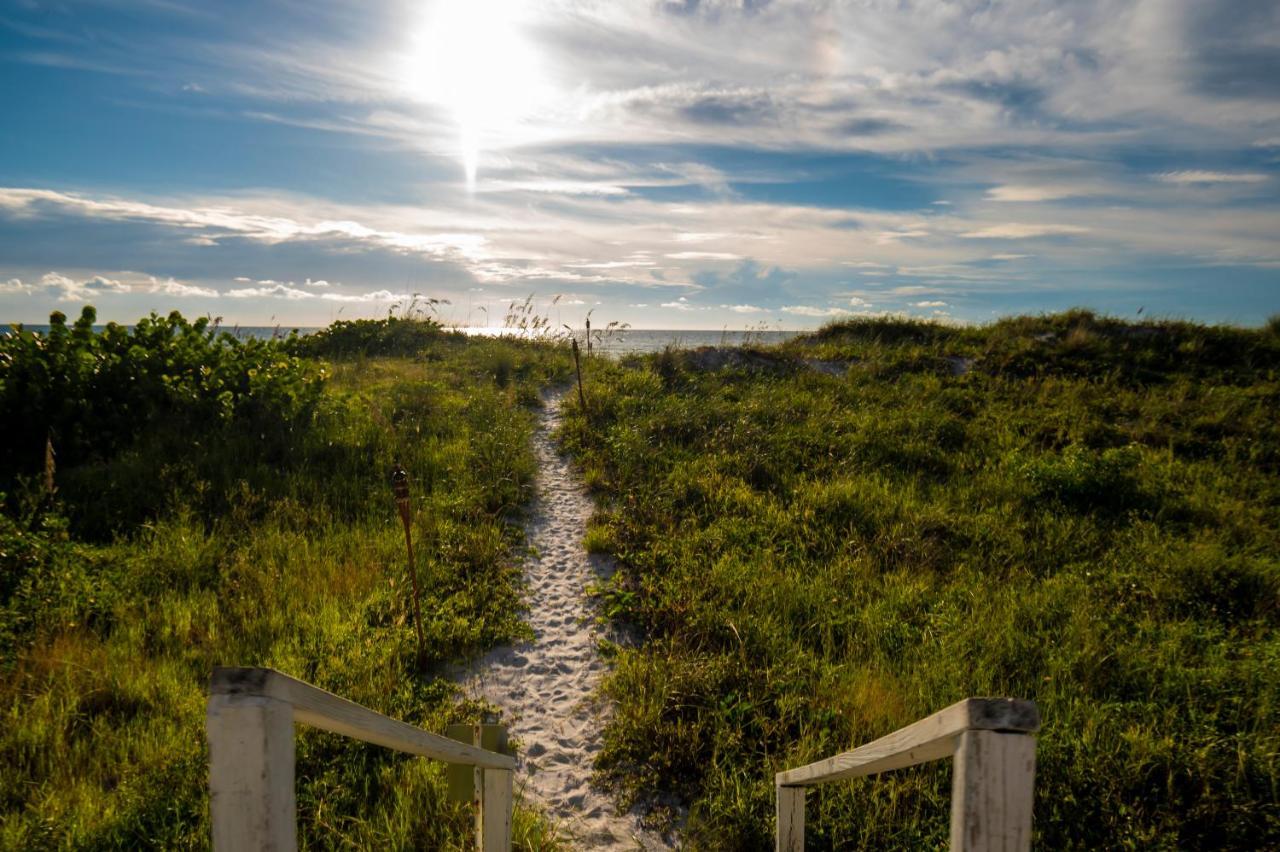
(1089, 518)
(296, 564)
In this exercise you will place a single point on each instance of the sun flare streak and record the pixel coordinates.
(475, 59)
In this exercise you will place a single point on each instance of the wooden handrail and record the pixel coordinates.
(991, 739)
(250, 722)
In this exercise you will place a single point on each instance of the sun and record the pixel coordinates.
(475, 59)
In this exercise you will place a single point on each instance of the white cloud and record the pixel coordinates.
(172, 287)
(809, 311)
(290, 292)
(319, 283)
(681, 304)
(14, 285)
(557, 187)
(744, 309)
(930, 304)
(70, 290)
(703, 255)
(1014, 192)
(1022, 231)
(1202, 176)
(274, 291)
(886, 237)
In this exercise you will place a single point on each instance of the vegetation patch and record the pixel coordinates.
(1086, 515)
(222, 502)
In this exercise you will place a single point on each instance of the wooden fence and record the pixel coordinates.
(250, 725)
(991, 789)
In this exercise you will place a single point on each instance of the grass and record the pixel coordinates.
(1069, 509)
(191, 548)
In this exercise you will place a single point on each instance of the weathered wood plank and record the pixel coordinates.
(991, 792)
(497, 810)
(460, 777)
(931, 738)
(318, 708)
(790, 807)
(251, 761)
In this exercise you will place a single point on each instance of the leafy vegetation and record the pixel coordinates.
(402, 336)
(824, 542)
(190, 529)
(93, 394)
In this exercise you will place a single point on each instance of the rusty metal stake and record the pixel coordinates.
(400, 487)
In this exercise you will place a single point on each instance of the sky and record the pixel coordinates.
(670, 165)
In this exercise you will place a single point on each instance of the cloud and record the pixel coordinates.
(930, 304)
(1022, 231)
(809, 311)
(703, 255)
(171, 287)
(744, 309)
(14, 285)
(221, 223)
(290, 292)
(1203, 176)
(680, 304)
(1014, 192)
(276, 291)
(319, 283)
(70, 290)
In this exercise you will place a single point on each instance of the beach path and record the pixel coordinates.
(547, 688)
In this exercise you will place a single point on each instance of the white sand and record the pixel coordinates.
(546, 689)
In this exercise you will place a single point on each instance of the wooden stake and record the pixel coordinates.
(400, 487)
(582, 397)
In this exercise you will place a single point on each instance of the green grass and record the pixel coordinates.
(196, 547)
(1089, 518)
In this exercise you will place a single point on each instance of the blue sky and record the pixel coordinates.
(672, 165)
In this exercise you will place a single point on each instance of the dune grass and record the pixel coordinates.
(1069, 509)
(194, 545)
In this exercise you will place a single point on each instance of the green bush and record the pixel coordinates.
(94, 395)
(400, 336)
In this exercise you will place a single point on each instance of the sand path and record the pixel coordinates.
(545, 688)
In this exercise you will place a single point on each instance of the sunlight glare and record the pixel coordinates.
(474, 58)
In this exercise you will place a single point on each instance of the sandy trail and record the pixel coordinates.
(545, 688)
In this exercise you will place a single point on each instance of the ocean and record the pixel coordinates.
(638, 340)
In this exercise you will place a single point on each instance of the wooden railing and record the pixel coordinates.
(991, 787)
(250, 725)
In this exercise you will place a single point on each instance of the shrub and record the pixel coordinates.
(94, 395)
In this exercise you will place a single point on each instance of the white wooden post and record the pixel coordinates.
(497, 810)
(251, 755)
(250, 725)
(991, 792)
(790, 834)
